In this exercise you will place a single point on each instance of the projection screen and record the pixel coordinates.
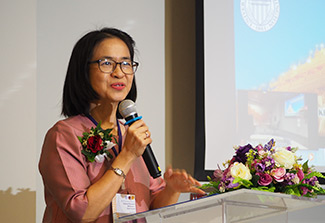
(260, 75)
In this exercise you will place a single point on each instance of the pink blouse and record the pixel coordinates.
(67, 175)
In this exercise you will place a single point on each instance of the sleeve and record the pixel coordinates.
(64, 172)
(156, 185)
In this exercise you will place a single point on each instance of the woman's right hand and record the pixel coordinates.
(137, 138)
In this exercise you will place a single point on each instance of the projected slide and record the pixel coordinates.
(279, 74)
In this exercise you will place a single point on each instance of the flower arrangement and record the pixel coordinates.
(96, 144)
(266, 168)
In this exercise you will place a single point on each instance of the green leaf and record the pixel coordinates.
(206, 186)
(211, 184)
(317, 189)
(108, 154)
(271, 189)
(85, 134)
(312, 174)
(296, 191)
(289, 191)
(243, 182)
(293, 190)
(80, 139)
(116, 142)
(255, 179)
(107, 132)
(305, 167)
(214, 192)
(90, 156)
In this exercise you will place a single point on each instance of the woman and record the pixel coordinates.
(100, 75)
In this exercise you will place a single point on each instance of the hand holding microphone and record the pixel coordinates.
(128, 111)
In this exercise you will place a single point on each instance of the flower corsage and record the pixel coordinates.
(96, 144)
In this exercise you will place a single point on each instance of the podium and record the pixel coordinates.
(239, 206)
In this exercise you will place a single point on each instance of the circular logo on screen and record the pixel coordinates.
(260, 15)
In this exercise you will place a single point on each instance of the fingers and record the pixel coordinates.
(181, 181)
(191, 182)
(169, 172)
(181, 175)
(138, 137)
(194, 186)
(197, 191)
(140, 129)
(194, 182)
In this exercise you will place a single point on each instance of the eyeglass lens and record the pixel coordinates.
(108, 66)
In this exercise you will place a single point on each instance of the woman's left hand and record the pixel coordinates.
(180, 181)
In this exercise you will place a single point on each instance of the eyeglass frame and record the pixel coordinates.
(134, 64)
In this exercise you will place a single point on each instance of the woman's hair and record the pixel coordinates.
(77, 90)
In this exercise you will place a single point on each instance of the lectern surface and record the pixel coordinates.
(232, 207)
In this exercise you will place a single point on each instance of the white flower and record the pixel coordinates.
(240, 170)
(284, 157)
(100, 158)
(109, 145)
(222, 188)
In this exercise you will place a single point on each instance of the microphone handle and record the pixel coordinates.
(151, 162)
(148, 156)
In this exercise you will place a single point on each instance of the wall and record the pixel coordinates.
(180, 83)
(18, 111)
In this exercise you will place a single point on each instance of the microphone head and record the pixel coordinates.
(127, 108)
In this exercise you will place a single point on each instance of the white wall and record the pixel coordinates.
(37, 37)
(18, 109)
(18, 95)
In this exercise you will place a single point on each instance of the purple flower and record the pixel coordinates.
(259, 167)
(289, 148)
(269, 163)
(229, 183)
(291, 178)
(265, 179)
(241, 153)
(312, 181)
(269, 145)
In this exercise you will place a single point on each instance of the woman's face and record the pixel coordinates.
(112, 87)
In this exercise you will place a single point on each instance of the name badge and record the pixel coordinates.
(122, 205)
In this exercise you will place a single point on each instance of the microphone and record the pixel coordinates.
(128, 111)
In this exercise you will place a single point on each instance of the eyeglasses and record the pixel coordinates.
(108, 65)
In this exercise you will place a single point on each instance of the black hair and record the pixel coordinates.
(77, 90)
